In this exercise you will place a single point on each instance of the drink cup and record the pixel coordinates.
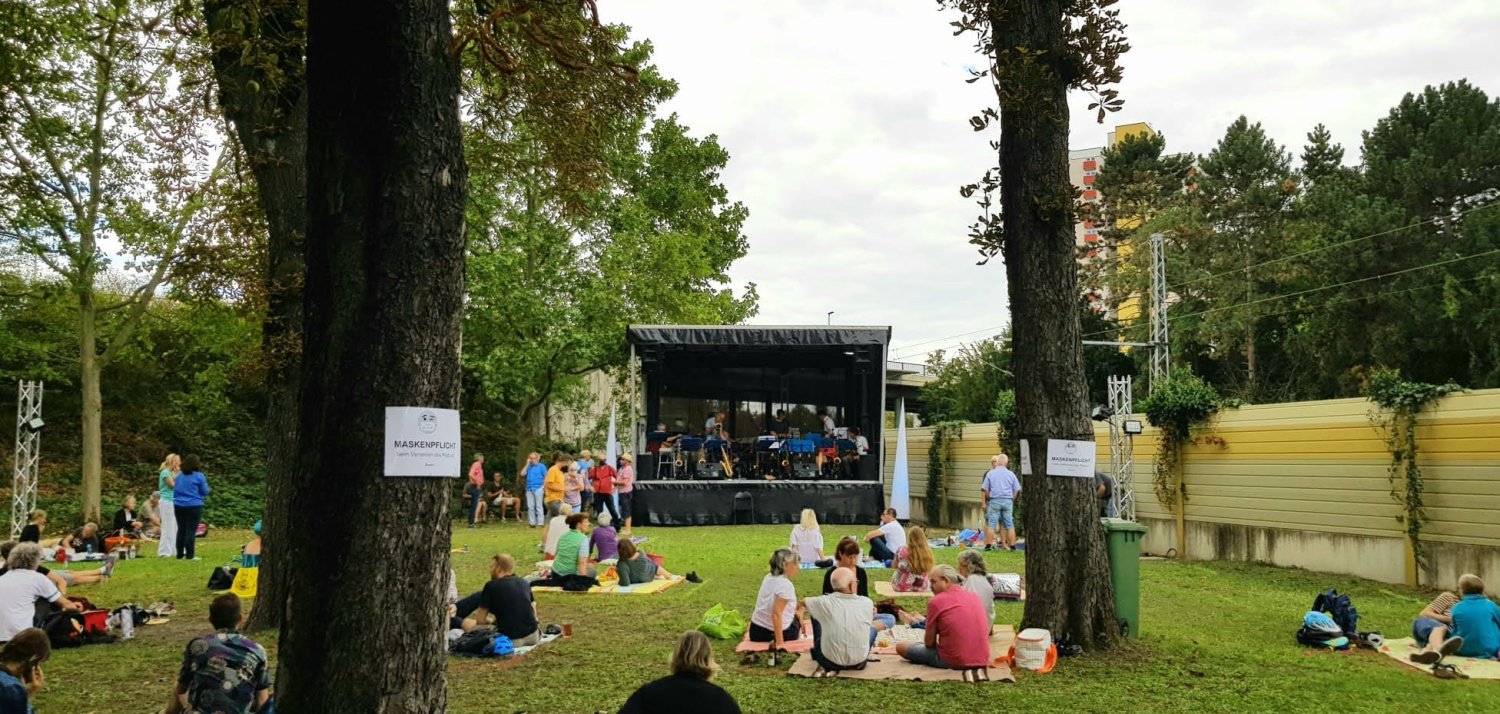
(567, 629)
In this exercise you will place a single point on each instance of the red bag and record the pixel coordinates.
(95, 622)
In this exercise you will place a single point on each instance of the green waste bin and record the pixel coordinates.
(1123, 538)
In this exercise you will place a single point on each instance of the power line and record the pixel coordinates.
(1221, 308)
(941, 339)
(1331, 246)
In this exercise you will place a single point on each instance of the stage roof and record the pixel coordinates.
(757, 335)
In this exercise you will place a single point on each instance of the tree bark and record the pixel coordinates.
(92, 400)
(1067, 570)
(383, 315)
(266, 101)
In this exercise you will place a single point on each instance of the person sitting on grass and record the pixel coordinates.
(63, 579)
(224, 671)
(775, 617)
(151, 516)
(127, 519)
(572, 556)
(807, 538)
(634, 568)
(956, 636)
(841, 621)
(250, 553)
(604, 543)
(33, 531)
(21, 670)
(506, 602)
(22, 587)
(846, 555)
(888, 538)
(688, 688)
(977, 580)
(555, 530)
(1430, 629)
(912, 562)
(1476, 620)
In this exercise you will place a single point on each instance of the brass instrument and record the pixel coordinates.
(702, 457)
(679, 463)
(728, 466)
(785, 463)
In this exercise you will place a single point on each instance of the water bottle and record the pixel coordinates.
(127, 623)
(89, 548)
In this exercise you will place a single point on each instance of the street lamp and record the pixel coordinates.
(830, 318)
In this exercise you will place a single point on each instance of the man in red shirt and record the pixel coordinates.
(475, 489)
(603, 478)
(958, 631)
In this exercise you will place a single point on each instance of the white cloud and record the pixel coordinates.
(846, 121)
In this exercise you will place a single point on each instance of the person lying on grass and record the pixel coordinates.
(775, 617)
(957, 634)
(634, 568)
(912, 562)
(63, 579)
(1476, 620)
(224, 671)
(688, 689)
(505, 602)
(1430, 628)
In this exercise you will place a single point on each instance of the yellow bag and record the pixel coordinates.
(245, 582)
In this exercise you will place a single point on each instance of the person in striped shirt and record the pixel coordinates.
(1431, 627)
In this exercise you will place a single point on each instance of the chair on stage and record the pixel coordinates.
(657, 446)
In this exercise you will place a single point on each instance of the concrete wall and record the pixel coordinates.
(1302, 484)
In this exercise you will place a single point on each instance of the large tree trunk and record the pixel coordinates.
(385, 275)
(258, 48)
(92, 402)
(1067, 571)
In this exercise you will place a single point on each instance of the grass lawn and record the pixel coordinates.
(1217, 637)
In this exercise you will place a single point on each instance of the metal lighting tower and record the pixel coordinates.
(1161, 348)
(28, 454)
(1122, 447)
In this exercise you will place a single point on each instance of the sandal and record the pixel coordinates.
(1447, 671)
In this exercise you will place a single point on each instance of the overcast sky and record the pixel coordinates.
(846, 123)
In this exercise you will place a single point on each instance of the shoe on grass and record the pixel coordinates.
(1449, 646)
(693, 577)
(1424, 657)
(109, 565)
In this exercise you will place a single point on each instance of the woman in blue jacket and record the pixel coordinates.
(187, 505)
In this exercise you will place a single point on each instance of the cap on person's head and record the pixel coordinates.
(585, 453)
(256, 528)
(627, 457)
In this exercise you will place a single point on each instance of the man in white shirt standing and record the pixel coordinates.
(1000, 488)
(22, 586)
(842, 630)
(888, 538)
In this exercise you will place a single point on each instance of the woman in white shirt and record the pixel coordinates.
(555, 530)
(807, 539)
(775, 617)
(977, 580)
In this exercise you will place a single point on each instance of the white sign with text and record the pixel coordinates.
(1025, 458)
(422, 441)
(1070, 458)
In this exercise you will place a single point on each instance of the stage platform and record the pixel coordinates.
(720, 503)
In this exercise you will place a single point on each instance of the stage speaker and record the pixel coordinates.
(710, 471)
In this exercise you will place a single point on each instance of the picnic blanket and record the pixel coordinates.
(613, 587)
(884, 588)
(887, 665)
(801, 644)
(1400, 650)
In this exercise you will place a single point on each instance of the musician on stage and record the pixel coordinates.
(714, 427)
(828, 425)
(781, 427)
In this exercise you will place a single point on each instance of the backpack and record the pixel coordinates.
(1319, 630)
(222, 578)
(64, 629)
(477, 642)
(1341, 609)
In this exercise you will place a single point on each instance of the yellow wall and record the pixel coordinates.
(1303, 484)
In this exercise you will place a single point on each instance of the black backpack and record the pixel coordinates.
(477, 642)
(1341, 609)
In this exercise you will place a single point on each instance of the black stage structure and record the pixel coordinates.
(686, 374)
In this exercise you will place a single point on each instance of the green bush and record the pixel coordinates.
(1179, 404)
